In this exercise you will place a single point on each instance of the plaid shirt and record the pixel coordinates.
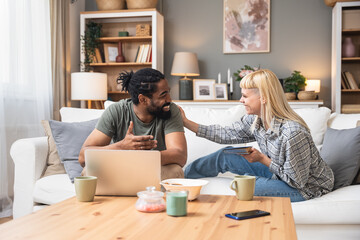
(294, 156)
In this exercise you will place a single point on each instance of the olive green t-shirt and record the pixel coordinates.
(115, 122)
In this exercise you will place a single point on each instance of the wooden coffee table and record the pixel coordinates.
(117, 218)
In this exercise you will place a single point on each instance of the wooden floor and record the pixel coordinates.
(5, 219)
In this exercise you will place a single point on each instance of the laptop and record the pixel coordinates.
(123, 172)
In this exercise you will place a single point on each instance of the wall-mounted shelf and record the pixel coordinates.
(124, 64)
(126, 39)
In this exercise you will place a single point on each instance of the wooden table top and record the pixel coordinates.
(117, 218)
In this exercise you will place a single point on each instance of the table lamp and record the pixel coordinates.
(185, 64)
(313, 85)
(88, 86)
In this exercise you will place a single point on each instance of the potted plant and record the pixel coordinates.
(293, 84)
(90, 43)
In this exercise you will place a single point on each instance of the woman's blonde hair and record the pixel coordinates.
(272, 93)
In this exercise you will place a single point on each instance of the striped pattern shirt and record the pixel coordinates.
(294, 156)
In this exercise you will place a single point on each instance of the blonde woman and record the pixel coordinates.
(289, 164)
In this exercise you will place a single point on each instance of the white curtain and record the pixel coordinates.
(25, 81)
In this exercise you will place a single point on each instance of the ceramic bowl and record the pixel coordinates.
(192, 185)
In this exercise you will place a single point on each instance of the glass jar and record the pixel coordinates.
(150, 201)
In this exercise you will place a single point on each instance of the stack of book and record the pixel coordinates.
(143, 53)
(348, 81)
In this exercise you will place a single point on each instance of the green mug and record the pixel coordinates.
(244, 187)
(85, 188)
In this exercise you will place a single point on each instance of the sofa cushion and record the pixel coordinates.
(218, 186)
(70, 114)
(53, 189)
(343, 121)
(316, 119)
(341, 206)
(341, 151)
(54, 165)
(69, 138)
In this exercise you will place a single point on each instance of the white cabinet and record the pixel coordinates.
(229, 104)
(345, 24)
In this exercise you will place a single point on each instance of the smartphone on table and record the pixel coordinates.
(247, 214)
(238, 150)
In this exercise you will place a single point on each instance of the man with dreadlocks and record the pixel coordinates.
(148, 120)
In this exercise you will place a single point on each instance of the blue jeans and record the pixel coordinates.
(212, 164)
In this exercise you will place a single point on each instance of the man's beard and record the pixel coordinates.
(159, 112)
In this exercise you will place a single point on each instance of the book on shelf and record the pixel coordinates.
(350, 108)
(344, 81)
(98, 55)
(148, 59)
(351, 80)
(137, 53)
(143, 53)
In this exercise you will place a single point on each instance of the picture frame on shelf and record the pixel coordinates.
(220, 91)
(242, 32)
(110, 51)
(203, 89)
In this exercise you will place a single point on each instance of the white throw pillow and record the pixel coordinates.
(316, 119)
(343, 121)
(70, 114)
(108, 103)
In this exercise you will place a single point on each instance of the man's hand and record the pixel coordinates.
(256, 156)
(132, 142)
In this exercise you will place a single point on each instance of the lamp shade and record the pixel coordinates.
(313, 85)
(88, 86)
(185, 64)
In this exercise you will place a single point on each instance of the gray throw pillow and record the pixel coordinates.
(341, 151)
(69, 138)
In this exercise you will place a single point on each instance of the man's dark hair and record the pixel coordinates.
(142, 82)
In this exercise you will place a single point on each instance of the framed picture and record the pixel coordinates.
(246, 26)
(110, 52)
(203, 89)
(220, 91)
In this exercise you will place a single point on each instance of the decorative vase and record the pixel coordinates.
(348, 48)
(306, 95)
(141, 3)
(104, 5)
(290, 95)
(120, 57)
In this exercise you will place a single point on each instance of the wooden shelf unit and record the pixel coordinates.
(126, 20)
(343, 26)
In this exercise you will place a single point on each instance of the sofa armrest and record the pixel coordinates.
(29, 156)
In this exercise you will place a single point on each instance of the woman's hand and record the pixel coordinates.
(257, 156)
(182, 114)
(192, 126)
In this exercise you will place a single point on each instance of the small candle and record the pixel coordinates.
(176, 202)
(228, 76)
(231, 84)
(219, 78)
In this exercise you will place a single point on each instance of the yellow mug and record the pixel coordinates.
(244, 187)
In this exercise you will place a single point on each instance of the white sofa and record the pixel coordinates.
(333, 216)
